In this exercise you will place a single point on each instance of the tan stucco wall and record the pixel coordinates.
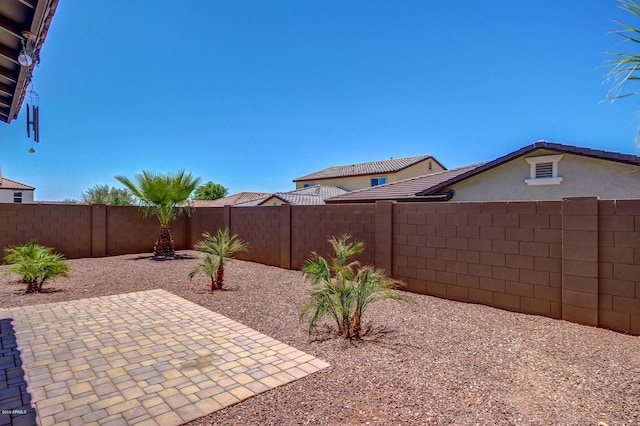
(272, 201)
(6, 195)
(420, 169)
(582, 176)
(359, 182)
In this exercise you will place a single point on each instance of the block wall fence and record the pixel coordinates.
(576, 259)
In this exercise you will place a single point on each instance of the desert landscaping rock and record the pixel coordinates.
(438, 362)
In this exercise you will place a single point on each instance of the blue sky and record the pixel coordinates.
(253, 94)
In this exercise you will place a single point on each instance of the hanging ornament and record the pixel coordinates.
(33, 114)
(27, 58)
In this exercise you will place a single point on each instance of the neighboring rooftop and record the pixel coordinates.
(12, 184)
(403, 190)
(430, 187)
(313, 195)
(541, 144)
(20, 21)
(231, 200)
(375, 167)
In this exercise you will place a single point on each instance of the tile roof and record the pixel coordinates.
(231, 200)
(541, 144)
(404, 190)
(12, 184)
(375, 167)
(415, 189)
(313, 195)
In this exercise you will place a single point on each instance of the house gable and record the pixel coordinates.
(315, 195)
(577, 176)
(403, 190)
(550, 148)
(364, 175)
(541, 171)
(15, 192)
(273, 200)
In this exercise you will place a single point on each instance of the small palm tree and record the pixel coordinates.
(163, 195)
(343, 290)
(209, 267)
(224, 247)
(371, 285)
(35, 264)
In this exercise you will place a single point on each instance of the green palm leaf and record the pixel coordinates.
(342, 290)
(223, 246)
(162, 195)
(625, 66)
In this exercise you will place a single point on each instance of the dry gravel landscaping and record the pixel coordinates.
(438, 362)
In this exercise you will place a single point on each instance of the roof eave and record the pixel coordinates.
(429, 157)
(444, 196)
(568, 149)
(40, 27)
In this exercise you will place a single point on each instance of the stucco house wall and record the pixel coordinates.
(424, 168)
(272, 201)
(352, 183)
(6, 195)
(581, 177)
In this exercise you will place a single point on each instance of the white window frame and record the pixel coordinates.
(17, 197)
(534, 161)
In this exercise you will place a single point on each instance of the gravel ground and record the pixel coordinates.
(438, 362)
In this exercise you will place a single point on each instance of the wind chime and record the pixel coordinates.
(26, 60)
(33, 117)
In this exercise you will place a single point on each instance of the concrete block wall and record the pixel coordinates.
(129, 231)
(260, 227)
(503, 254)
(576, 259)
(67, 228)
(204, 220)
(580, 280)
(86, 230)
(619, 265)
(312, 226)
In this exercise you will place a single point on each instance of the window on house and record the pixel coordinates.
(378, 181)
(17, 197)
(543, 170)
(308, 185)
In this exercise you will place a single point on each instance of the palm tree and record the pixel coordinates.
(209, 267)
(224, 246)
(35, 264)
(162, 195)
(342, 289)
(626, 66)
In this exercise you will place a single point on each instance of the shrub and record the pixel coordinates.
(35, 264)
(343, 290)
(223, 247)
(209, 267)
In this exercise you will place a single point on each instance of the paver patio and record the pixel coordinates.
(146, 358)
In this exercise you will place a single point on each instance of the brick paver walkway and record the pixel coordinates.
(15, 401)
(147, 358)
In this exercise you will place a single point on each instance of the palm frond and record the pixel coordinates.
(624, 66)
(342, 289)
(223, 246)
(162, 195)
(35, 264)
